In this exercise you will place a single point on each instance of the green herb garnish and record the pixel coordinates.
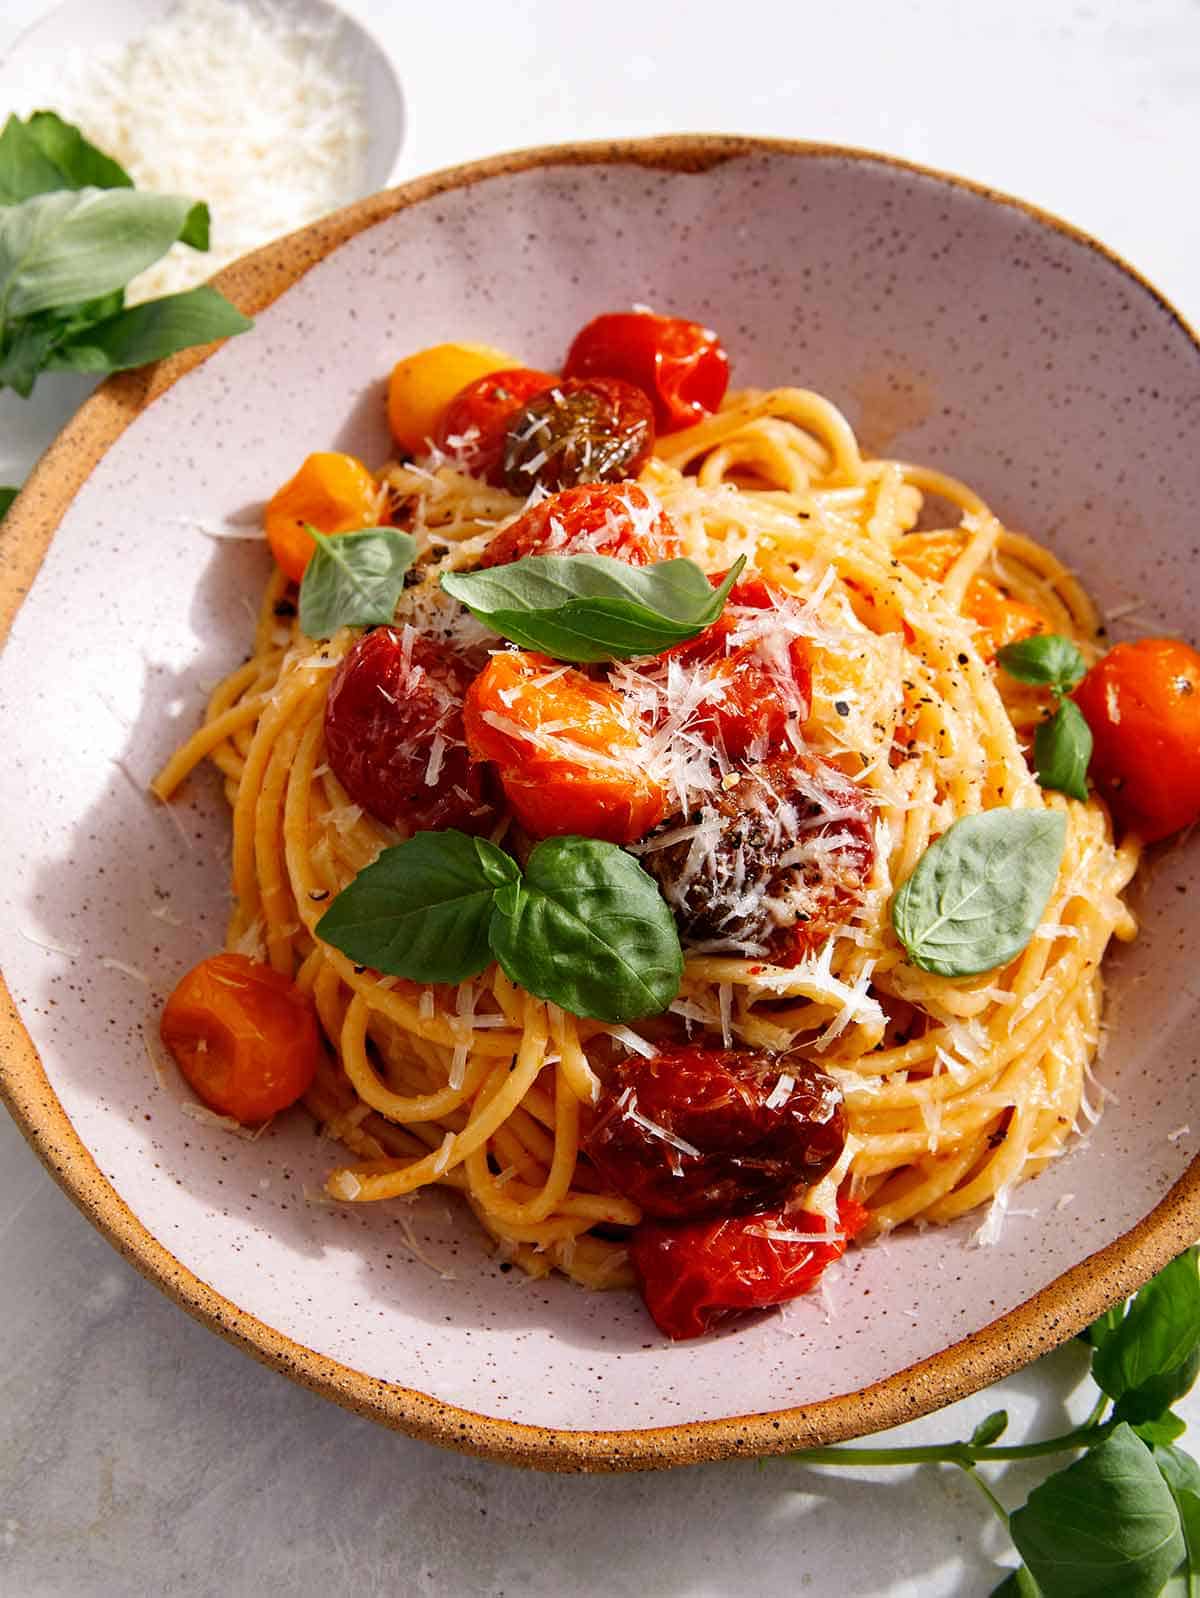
(979, 892)
(583, 925)
(586, 608)
(353, 579)
(1062, 746)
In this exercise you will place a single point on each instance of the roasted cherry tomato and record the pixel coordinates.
(615, 519)
(567, 751)
(476, 420)
(334, 492)
(696, 1132)
(783, 862)
(394, 733)
(758, 683)
(693, 1276)
(583, 430)
(245, 1038)
(679, 364)
(1142, 702)
(1000, 618)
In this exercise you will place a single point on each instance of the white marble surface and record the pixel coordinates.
(139, 1453)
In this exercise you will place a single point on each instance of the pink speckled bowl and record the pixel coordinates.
(953, 326)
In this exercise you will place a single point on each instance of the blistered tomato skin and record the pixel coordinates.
(679, 364)
(615, 519)
(564, 748)
(476, 420)
(583, 430)
(394, 734)
(694, 1276)
(696, 1132)
(244, 1037)
(1142, 703)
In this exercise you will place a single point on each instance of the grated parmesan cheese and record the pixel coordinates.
(242, 106)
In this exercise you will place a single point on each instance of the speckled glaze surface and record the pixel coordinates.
(952, 327)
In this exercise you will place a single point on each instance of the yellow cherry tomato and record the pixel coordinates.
(422, 385)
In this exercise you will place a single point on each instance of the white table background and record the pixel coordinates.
(141, 1454)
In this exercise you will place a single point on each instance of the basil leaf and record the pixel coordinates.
(1062, 748)
(1153, 1357)
(587, 608)
(149, 332)
(64, 248)
(1019, 1584)
(1105, 1525)
(80, 164)
(25, 351)
(1049, 660)
(1187, 1502)
(422, 909)
(353, 579)
(25, 168)
(1162, 1430)
(979, 892)
(1177, 1468)
(7, 495)
(989, 1428)
(588, 929)
(1101, 1329)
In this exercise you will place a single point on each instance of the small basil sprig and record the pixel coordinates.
(979, 891)
(587, 608)
(353, 579)
(1062, 746)
(583, 926)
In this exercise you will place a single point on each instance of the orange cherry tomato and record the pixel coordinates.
(335, 492)
(679, 365)
(615, 519)
(1142, 702)
(1000, 618)
(476, 420)
(566, 749)
(245, 1038)
(423, 384)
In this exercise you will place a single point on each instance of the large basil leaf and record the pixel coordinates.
(1153, 1356)
(149, 332)
(1018, 1584)
(1048, 660)
(72, 246)
(80, 164)
(1062, 748)
(588, 929)
(1105, 1525)
(978, 893)
(354, 579)
(587, 608)
(25, 168)
(422, 909)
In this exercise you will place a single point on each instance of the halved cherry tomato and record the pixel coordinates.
(335, 492)
(1000, 618)
(394, 733)
(679, 364)
(697, 1132)
(615, 519)
(245, 1038)
(476, 420)
(693, 1276)
(566, 749)
(583, 430)
(423, 384)
(1142, 702)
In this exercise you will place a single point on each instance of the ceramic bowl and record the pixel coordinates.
(954, 326)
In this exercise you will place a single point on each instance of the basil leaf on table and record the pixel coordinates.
(978, 893)
(1018, 1584)
(1162, 1431)
(7, 495)
(44, 153)
(1105, 1525)
(149, 332)
(989, 1429)
(588, 929)
(422, 909)
(588, 608)
(1047, 660)
(353, 579)
(1102, 1328)
(1062, 748)
(1153, 1356)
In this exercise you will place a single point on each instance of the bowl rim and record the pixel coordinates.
(1048, 1318)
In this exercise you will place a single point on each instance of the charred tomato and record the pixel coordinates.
(583, 430)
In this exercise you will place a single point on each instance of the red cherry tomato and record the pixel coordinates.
(566, 749)
(697, 1132)
(476, 419)
(394, 733)
(583, 430)
(680, 365)
(695, 1275)
(615, 519)
(245, 1038)
(757, 686)
(1142, 702)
